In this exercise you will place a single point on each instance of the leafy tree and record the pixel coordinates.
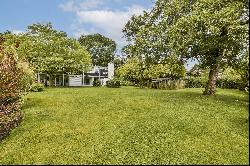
(134, 71)
(195, 71)
(119, 61)
(215, 32)
(100, 47)
(242, 69)
(52, 52)
(146, 41)
(131, 71)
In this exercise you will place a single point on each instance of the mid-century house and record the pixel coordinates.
(102, 74)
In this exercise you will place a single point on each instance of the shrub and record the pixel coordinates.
(228, 84)
(37, 87)
(195, 82)
(15, 81)
(114, 83)
(97, 83)
(136, 71)
(169, 84)
(198, 82)
(127, 83)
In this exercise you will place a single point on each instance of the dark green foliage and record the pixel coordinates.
(101, 48)
(214, 32)
(194, 82)
(114, 83)
(37, 87)
(198, 82)
(97, 83)
(134, 71)
(228, 84)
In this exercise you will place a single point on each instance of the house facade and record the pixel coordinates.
(103, 74)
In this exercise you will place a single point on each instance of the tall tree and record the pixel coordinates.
(215, 32)
(52, 52)
(100, 47)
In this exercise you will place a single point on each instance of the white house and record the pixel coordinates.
(102, 74)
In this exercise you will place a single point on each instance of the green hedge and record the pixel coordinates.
(228, 84)
(114, 83)
(168, 85)
(194, 83)
(197, 82)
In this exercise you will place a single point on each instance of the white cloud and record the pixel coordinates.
(99, 20)
(68, 7)
(73, 6)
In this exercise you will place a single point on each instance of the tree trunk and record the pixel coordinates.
(211, 85)
(210, 88)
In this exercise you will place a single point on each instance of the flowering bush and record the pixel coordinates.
(15, 80)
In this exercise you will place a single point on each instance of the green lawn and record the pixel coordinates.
(130, 126)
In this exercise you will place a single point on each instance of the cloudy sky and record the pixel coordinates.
(75, 17)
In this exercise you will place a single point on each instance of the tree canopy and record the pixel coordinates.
(100, 47)
(215, 32)
(52, 52)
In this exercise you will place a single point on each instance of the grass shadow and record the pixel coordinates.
(224, 98)
(31, 102)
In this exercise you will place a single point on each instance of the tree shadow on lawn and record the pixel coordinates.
(241, 101)
(242, 124)
(30, 102)
(223, 98)
(238, 122)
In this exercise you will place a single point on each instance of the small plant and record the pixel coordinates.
(97, 83)
(37, 87)
(114, 83)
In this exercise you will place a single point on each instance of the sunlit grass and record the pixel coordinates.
(130, 126)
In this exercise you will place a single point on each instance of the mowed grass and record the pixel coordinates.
(130, 126)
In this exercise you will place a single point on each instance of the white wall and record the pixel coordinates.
(111, 70)
(75, 80)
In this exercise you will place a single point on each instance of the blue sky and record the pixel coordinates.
(75, 17)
